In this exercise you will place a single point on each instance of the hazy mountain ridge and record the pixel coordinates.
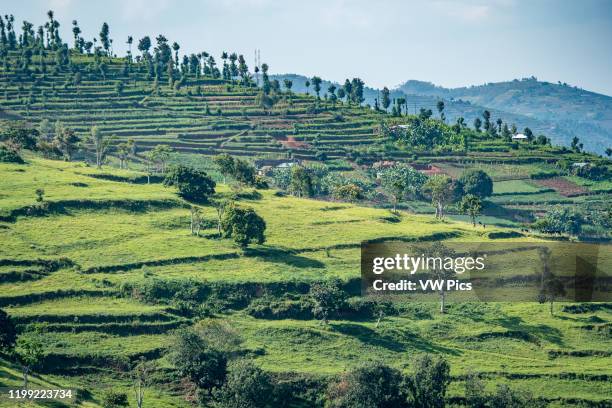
(557, 110)
(576, 111)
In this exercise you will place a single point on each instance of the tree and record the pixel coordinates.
(67, 141)
(141, 379)
(76, 31)
(471, 205)
(486, 115)
(288, 84)
(441, 191)
(104, 38)
(195, 220)
(160, 155)
(247, 386)
(560, 220)
(476, 182)
(29, 352)
(609, 151)
(124, 151)
(129, 42)
(349, 192)
(429, 382)
(402, 181)
(244, 172)
(475, 393)
(144, 44)
(575, 143)
(225, 163)
(301, 182)
(440, 107)
(243, 225)
(528, 133)
(307, 85)
(19, 136)
(370, 385)
(424, 114)
(552, 287)
(195, 360)
(8, 335)
(327, 298)
(477, 124)
(386, 100)
(176, 47)
(101, 144)
(192, 184)
(316, 85)
(332, 93)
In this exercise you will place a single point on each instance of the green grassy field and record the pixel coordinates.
(89, 324)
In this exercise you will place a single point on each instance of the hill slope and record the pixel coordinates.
(119, 242)
(567, 111)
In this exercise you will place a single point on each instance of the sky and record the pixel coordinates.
(385, 42)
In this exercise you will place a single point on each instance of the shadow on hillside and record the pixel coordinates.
(541, 331)
(385, 340)
(279, 255)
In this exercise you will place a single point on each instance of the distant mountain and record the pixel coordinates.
(559, 111)
(568, 110)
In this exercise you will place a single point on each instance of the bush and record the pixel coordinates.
(114, 399)
(539, 175)
(9, 156)
(372, 385)
(560, 220)
(274, 308)
(247, 386)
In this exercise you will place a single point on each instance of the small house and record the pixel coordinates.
(519, 137)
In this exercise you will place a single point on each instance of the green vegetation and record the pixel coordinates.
(185, 279)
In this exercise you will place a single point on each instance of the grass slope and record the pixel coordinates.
(89, 329)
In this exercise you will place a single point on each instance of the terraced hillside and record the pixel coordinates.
(205, 116)
(94, 270)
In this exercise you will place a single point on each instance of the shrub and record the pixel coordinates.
(247, 386)
(114, 399)
(273, 308)
(193, 359)
(327, 299)
(539, 175)
(372, 385)
(9, 156)
(429, 381)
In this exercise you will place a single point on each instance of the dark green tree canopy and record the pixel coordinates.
(247, 386)
(371, 385)
(8, 335)
(476, 182)
(243, 225)
(194, 359)
(192, 184)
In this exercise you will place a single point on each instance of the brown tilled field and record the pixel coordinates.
(562, 186)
